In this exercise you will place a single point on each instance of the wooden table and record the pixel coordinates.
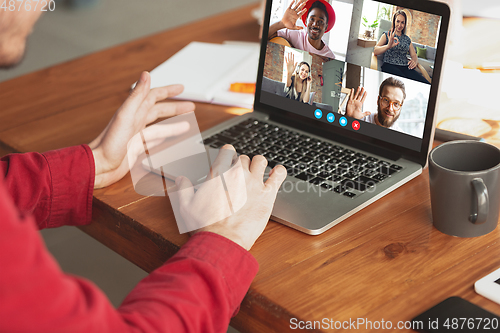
(385, 262)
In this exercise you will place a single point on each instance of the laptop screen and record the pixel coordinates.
(363, 69)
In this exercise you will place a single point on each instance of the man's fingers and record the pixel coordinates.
(358, 91)
(153, 136)
(366, 114)
(176, 129)
(162, 93)
(351, 95)
(162, 131)
(258, 165)
(276, 178)
(223, 161)
(155, 95)
(245, 162)
(301, 7)
(169, 109)
(363, 96)
(296, 4)
(360, 94)
(185, 190)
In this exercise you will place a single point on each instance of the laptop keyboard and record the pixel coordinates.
(335, 168)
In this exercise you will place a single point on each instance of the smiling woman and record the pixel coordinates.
(298, 79)
(396, 46)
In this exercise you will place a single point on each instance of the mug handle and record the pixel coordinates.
(480, 202)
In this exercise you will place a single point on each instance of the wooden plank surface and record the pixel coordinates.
(385, 262)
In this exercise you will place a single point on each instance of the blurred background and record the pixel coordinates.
(79, 27)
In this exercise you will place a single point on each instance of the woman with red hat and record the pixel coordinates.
(318, 17)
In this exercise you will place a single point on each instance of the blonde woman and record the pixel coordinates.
(298, 79)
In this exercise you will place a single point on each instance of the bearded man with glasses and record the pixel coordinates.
(390, 101)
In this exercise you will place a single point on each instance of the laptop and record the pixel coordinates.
(340, 161)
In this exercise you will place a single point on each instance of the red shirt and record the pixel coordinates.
(197, 290)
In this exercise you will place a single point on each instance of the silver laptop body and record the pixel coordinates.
(313, 207)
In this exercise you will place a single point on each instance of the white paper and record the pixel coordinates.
(206, 70)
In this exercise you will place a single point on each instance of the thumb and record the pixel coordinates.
(366, 114)
(140, 91)
(185, 190)
(142, 83)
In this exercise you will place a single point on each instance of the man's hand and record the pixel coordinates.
(293, 13)
(354, 106)
(253, 197)
(142, 107)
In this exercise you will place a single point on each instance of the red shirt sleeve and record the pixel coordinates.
(197, 290)
(202, 288)
(55, 187)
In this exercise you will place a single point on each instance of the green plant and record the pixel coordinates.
(368, 25)
(384, 13)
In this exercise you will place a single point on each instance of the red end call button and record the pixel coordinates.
(355, 125)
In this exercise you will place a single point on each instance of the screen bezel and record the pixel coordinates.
(357, 139)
